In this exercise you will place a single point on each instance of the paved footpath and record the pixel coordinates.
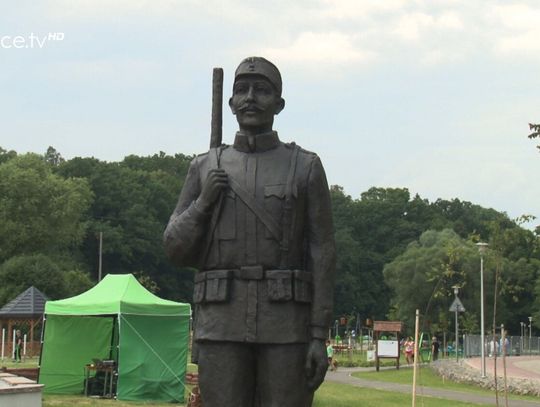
(343, 375)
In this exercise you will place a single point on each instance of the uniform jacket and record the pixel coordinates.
(252, 285)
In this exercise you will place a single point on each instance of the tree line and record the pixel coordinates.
(396, 252)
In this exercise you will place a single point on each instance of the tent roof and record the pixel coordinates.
(117, 294)
(29, 304)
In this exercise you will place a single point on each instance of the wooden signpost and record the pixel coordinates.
(385, 348)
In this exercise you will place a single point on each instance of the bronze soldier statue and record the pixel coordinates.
(255, 219)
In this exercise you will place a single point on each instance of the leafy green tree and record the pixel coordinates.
(382, 223)
(147, 282)
(469, 323)
(358, 288)
(77, 281)
(46, 206)
(359, 284)
(536, 307)
(468, 219)
(176, 165)
(512, 241)
(51, 276)
(517, 291)
(6, 155)
(134, 199)
(518, 257)
(39, 211)
(422, 277)
(370, 232)
(53, 157)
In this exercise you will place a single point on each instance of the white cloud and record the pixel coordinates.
(351, 9)
(522, 44)
(420, 25)
(124, 72)
(81, 93)
(336, 31)
(410, 26)
(450, 20)
(331, 48)
(516, 16)
(438, 57)
(519, 29)
(188, 10)
(103, 8)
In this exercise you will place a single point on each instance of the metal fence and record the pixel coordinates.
(517, 345)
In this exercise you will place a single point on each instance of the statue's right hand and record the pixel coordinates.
(216, 182)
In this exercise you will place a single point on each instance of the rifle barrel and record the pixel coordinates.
(216, 132)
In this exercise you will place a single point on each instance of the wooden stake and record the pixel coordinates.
(415, 361)
(503, 342)
(494, 340)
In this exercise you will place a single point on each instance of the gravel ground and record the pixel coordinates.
(463, 372)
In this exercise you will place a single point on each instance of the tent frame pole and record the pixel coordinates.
(41, 344)
(119, 317)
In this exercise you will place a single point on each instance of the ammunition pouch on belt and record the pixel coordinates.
(279, 285)
(214, 286)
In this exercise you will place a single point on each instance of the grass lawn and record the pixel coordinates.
(358, 358)
(330, 394)
(426, 377)
(70, 401)
(28, 362)
(50, 400)
(342, 395)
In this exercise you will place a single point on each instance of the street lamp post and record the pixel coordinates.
(456, 292)
(521, 324)
(482, 248)
(530, 334)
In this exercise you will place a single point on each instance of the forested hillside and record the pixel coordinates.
(396, 252)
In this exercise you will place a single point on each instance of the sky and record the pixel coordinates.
(433, 96)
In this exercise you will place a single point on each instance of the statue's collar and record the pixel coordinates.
(256, 144)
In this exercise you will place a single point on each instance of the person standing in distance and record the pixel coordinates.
(255, 219)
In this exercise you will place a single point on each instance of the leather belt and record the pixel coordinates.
(251, 273)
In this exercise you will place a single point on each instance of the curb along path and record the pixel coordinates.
(343, 375)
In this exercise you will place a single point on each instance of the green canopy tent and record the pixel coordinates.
(117, 319)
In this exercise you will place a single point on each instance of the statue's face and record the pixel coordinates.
(255, 102)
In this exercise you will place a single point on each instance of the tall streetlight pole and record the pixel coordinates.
(482, 249)
(530, 334)
(521, 341)
(100, 257)
(456, 292)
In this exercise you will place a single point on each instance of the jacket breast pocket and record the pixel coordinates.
(226, 229)
(274, 198)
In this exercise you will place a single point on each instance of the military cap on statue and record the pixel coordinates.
(260, 66)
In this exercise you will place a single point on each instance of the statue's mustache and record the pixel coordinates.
(250, 107)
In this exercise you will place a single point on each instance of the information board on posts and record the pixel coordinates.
(387, 349)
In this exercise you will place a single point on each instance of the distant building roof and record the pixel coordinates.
(28, 304)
